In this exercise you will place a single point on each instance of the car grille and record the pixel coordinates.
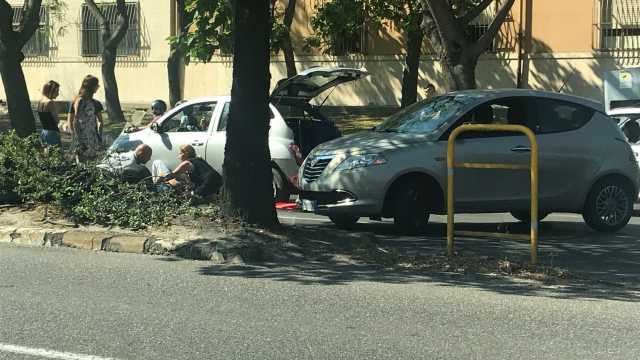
(314, 167)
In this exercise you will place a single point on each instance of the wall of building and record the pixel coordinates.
(558, 42)
(139, 78)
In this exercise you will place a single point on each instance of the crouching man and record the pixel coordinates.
(136, 172)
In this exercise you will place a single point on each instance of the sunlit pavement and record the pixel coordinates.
(565, 241)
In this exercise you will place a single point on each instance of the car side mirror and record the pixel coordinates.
(155, 127)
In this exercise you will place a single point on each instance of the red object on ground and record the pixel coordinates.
(286, 205)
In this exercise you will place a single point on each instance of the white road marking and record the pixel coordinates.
(48, 354)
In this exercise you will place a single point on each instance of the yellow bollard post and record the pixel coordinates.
(533, 167)
(450, 198)
(534, 196)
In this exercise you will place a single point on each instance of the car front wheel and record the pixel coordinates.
(609, 205)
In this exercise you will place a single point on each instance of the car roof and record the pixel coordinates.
(484, 95)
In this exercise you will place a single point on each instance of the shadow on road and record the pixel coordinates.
(605, 266)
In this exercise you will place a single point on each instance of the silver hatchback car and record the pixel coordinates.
(398, 169)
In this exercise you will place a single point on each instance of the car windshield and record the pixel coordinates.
(426, 116)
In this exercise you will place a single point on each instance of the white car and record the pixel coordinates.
(628, 120)
(296, 127)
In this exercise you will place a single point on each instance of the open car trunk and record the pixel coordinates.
(292, 96)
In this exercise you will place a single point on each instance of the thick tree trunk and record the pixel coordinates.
(289, 56)
(112, 97)
(18, 101)
(410, 74)
(461, 72)
(247, 169)
(11, 43)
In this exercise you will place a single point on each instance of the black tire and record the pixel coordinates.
(525, 217)
(280, 187)
(609, 205)
(410, 214)
(344, 221)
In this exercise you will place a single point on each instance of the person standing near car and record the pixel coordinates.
(85, 121)
(48, 114)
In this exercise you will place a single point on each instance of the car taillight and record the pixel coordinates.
(295, 151)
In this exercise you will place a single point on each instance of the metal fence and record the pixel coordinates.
(505, 40)
(616, 25)
(38, 45)
(91, 36)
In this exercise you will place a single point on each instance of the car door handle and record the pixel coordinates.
(521, 148)
(197, 143)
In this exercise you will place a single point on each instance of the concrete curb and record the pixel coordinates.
(214, 247)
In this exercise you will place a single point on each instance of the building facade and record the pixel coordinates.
(553, 45)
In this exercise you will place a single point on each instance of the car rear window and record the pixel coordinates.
(558, 116)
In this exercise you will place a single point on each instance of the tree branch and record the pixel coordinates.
(485, 41)
(448, 28)
(29, 23)
(430, 29)
(6, 20)
(288, 14)
(122, 25)
(475, 12)
(95, 11)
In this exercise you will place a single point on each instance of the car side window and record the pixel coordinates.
(222, 124)
(192, 118)
(507, 111)
(224, 116)
(558, 116)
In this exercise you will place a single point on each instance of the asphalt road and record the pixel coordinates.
(60, 303)
(564, 240)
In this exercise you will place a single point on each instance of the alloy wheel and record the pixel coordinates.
(612, 204)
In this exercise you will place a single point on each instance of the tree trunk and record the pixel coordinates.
(247, 169)
(11, 56)
(176, 60)
(112, 97)
(110, 41)
(410, 73)
(461, 70)
(15, 87)
(289, 56)
(175, 64)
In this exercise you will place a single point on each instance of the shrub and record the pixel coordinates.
(84, 193)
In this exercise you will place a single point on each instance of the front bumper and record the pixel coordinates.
(357, 192)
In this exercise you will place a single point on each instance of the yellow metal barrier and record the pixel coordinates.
(533, 167)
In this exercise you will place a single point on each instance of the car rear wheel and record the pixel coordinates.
(609, 205)
(280, 189)
(344, 221)
(410, 209)
(525, 216)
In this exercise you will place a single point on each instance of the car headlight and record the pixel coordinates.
(361, 161)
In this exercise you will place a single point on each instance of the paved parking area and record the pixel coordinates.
(565, 241)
